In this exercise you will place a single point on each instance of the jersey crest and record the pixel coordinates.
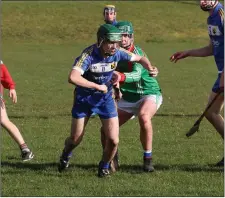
(214, 30)
(103, 67)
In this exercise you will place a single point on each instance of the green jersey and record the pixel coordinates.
(138, 82)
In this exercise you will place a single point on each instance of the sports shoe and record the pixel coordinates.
(64, 162)
(102, 172)
(220, 163)
(27, 155)
(147, 165)
(114, 164)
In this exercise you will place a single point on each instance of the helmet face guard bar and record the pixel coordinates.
(109, 8)
(111, 37)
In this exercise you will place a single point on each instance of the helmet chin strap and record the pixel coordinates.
(127, 47)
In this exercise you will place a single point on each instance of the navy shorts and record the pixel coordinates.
(216, 85)
(84, 108)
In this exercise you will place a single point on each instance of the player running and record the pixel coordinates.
(8, 83)
(92, 73)
(141, 95)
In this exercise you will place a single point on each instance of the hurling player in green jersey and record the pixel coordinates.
(141, 95)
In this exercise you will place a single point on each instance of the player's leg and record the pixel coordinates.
(109, 134)
(14, 132)
(76, 135)
(123, 116)
(111, 131)
(214, 117)
(147, 110)
(213, 114)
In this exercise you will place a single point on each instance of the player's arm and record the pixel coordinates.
(133, 76)
(6, 79)
(143, 61)
(128, 56)
(80, 65)
(8, 83)
(75, 78)
(200, 52)
(125, 55)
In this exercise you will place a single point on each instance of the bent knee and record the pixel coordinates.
(211, 115)
(145, 118)
(5, 122)
(113, 141)
(75, 139)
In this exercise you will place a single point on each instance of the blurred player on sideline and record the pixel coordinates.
(8, 83)
(109, 14)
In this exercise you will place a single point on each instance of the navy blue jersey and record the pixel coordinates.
(99, 70)
(113, 23)
(216, 32)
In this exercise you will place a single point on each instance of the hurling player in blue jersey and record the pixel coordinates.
(215, 23)
(109, 14)
(92, 74)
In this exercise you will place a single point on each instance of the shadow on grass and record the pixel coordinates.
(52, 166)
(133, 169)
(28, 165)
(45, 117)
(136, 169)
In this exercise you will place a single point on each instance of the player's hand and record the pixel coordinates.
(13, 95)
(116, 78)
(117, 93)
(102, 88)
(178, 55)
(154, 72)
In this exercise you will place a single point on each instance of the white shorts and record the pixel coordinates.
(133, 108)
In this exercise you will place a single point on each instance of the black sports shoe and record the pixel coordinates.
(103, 172)
(114, 164)
(27, 155)
(64, 162)
(220, 163)
(147, 165)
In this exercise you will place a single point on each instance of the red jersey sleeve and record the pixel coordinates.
(6, 79)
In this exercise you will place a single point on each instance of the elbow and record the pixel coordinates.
(135, 80)
(70, 79)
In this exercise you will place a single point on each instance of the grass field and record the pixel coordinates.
(39, 43)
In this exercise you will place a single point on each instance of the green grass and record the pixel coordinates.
(66, 22)
(39, 49)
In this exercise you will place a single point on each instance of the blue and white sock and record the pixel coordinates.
(105, 165)
(148, 154)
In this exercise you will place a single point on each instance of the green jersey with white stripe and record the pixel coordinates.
(138, 82)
